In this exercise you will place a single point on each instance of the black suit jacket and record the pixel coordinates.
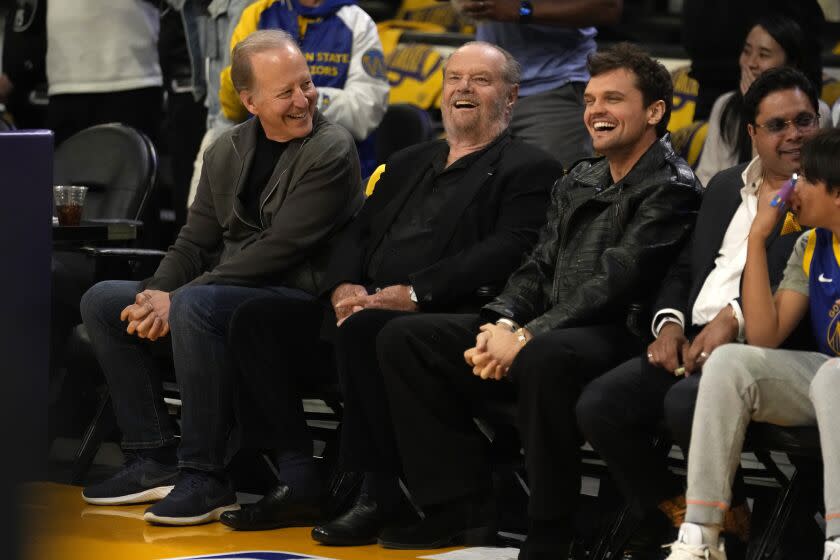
(720, 202)
(484, 232)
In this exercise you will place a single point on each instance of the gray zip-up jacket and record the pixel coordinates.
(315, 190)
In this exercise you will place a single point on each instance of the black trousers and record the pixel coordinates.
(622, 412)
(276, 345)
(367, 434)
(434, 397)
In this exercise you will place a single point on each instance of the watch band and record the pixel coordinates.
(509, 323)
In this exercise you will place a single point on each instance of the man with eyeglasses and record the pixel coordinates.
(699, 309)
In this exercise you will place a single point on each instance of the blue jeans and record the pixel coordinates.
(198, 319)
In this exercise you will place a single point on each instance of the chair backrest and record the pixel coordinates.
(402, 126)
(116, 162)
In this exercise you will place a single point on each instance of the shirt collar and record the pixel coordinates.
(439, 163)
(752, 176)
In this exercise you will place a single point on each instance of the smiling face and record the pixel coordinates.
(282, 94)
(780, 151)
(616, 116)
(476, 100)
(761, 52)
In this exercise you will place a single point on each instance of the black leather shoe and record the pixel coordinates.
(360, 525)
(468, 522)
(278, 508)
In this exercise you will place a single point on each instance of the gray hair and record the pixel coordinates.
(241, 71)
(511, 70)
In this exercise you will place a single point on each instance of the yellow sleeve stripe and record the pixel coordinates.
(809, 252)
(835, 245)
(374, 178)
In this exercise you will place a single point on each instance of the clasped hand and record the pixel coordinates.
(148, 316)
(671, 348)
(350, 298)
(496, 346)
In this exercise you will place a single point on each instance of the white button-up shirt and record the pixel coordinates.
(723, 284)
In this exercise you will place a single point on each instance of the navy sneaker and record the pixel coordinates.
(140, 481)
(197, 498)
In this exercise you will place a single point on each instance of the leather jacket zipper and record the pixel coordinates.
(564, 223)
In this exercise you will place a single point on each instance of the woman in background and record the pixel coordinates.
(773, 41)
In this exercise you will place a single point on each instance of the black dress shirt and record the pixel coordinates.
(408, 245)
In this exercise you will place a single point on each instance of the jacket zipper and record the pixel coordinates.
(261, 225)
(564, 222)
(277, 183)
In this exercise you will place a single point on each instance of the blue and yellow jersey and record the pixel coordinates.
(821, 264)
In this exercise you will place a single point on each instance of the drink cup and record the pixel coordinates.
(69, 202)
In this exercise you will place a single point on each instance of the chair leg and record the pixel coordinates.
(768, 543)
(615, 534)
(101, 426)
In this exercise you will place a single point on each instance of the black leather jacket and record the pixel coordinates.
(605, 245)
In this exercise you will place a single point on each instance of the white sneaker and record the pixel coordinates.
(690, 546)
(832, 551)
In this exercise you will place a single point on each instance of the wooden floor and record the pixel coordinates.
(62, 526)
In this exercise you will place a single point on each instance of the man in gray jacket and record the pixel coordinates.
(273, 191)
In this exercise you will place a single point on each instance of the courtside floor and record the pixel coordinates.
(60, 526)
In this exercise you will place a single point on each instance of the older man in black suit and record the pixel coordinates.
(699, 309)
(448, 219)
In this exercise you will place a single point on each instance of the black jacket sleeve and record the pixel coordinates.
(657, 230)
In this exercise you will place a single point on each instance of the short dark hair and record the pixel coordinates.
(652, 78)
(773, 80)
(819, 158)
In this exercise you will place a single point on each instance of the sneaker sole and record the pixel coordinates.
(144, 497)
(208, 517)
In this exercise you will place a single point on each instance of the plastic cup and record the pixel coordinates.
(69, 202)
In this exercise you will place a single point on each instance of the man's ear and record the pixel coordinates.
(751, 130)
(513, 95)
(656, 111)
(247, 99)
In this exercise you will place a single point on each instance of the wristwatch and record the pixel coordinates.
(526, 11)
(412, 295)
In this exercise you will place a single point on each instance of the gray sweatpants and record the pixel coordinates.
(553, 121)
(743, 383)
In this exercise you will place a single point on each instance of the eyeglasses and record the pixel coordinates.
(801, 121)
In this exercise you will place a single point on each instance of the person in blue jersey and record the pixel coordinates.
(552, 40)
(761, 382)
(344, 53)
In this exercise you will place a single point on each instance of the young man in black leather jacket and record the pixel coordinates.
(614, 225)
